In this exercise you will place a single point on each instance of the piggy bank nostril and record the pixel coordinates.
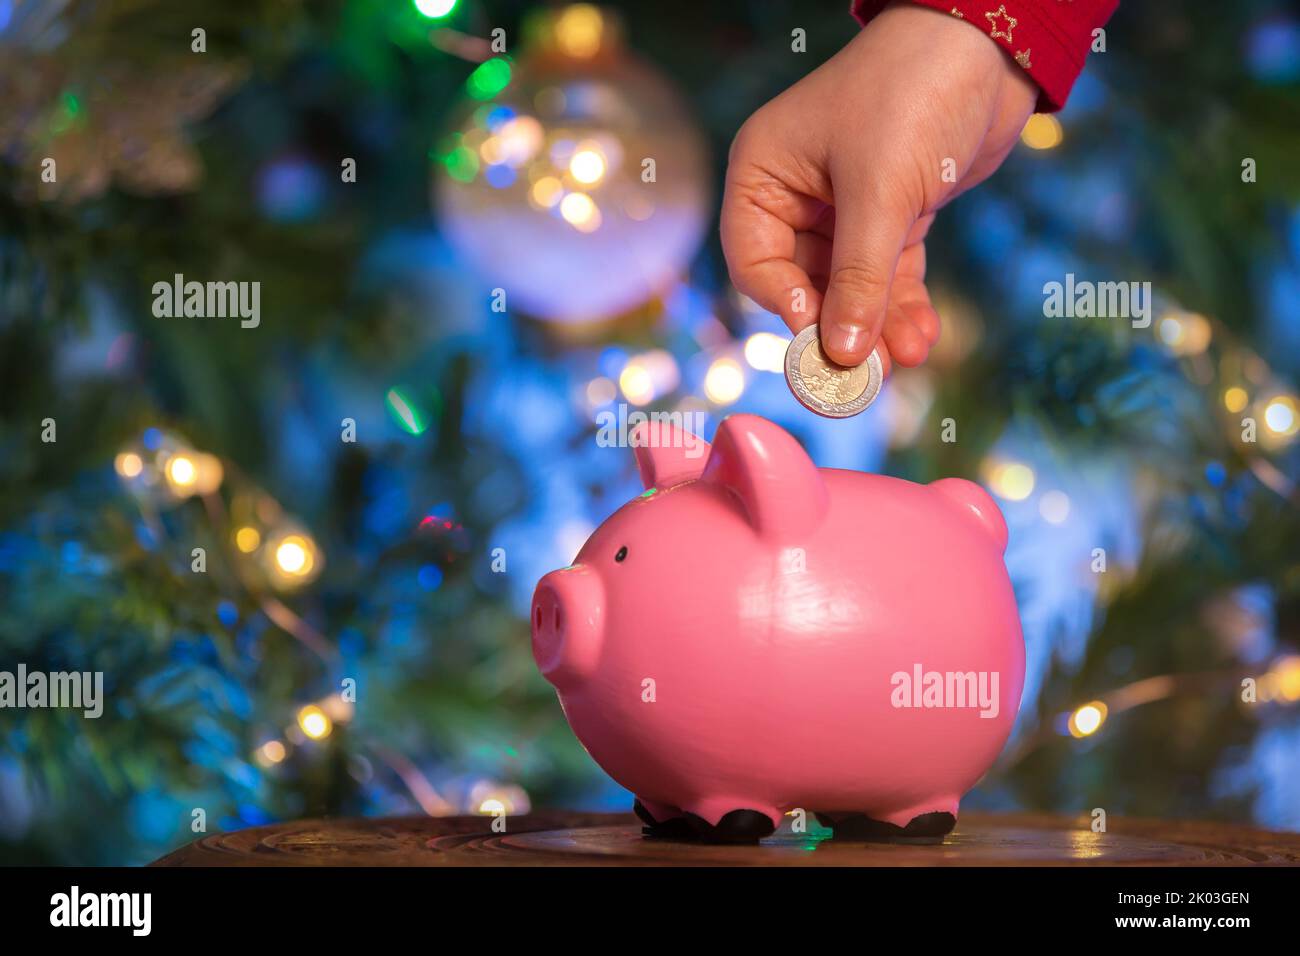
(557, 618)
(537, 618)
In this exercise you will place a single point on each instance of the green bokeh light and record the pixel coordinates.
(435, 9)
(405, 413)
(489, 78)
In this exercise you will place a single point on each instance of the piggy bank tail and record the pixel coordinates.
(978, 505)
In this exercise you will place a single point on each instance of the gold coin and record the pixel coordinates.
(826, 388)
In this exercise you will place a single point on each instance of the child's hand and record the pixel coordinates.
(832, 186)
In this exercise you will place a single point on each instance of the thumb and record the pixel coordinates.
(871, 228)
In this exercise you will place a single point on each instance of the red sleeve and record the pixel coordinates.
(1050, 39)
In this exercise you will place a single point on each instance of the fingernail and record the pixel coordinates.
(844, 340)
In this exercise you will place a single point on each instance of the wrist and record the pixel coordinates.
(961, 40)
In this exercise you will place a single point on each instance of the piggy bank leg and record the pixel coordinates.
(729, 820)
(927, 823)
(662, 821)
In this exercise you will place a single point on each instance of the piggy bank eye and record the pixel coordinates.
(622, 553)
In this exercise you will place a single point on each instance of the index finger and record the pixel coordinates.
(758, 240)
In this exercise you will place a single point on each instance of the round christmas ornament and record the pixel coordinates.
(575, 181)
(755, 635)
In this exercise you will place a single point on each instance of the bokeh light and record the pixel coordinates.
(247, 539)
(1235, 398)
(1043, 131)
(579, 30)
(128, 464)
(766, 352)
(1054, 506)
(1280, 416)
(435, 9)
(315, 723)
(580, 211)
(724, 382)
(1011, 480)
(1087, 719)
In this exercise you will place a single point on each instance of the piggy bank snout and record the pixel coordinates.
(567, 612)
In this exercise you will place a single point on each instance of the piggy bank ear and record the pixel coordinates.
(667, 455)
(978, 506)
(762, 464)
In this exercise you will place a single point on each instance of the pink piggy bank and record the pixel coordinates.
(754, 635)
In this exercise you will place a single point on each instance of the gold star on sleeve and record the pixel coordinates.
(993, 16)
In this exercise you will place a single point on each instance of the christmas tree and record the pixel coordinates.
(309, 315)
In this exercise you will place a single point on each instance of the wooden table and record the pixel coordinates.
(591, 839)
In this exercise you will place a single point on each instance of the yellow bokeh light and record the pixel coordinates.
(637, 384)
(181, 472)
(1012, 480)
(1186, 333)
(1286, 678)
(492, 151)
(128, 464)
(492, 806)
(587, 165)
(579, 30)
(1280, 416)
(724, 382)
(1235, 398)
(315, 723)
(273, 751)
(1043, 131)
(1087, 719)
(546, 192)
(519, 139)
(766, 352)
(293, 555)
(247, 539)
(208, 472)
(579, 210)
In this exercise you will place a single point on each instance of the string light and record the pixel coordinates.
(404, 412)
(181, 472)
(1043, 131)
(1280, 416)
(766, 352)
(546, 192)
(192, 473)
(490, 798)
(581, 212)
(272, 752)
(724, 382)
(600, 391)
(488, 79)
(1283, 680)
(435, 9)
(247, 539)
(1235, 398)
(1054, 507)
(1185, 333)
(128, 464)
(1011, 480)
(579, 31)
(315, 723)
(1087, 720)
(587, 165)
(292, 558)
(636, 384)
